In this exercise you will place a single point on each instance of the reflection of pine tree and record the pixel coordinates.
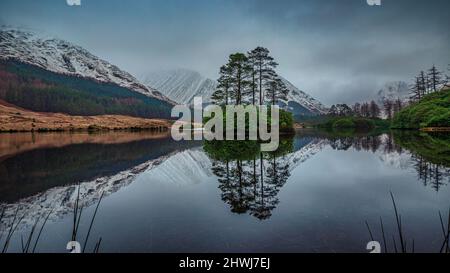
(274, 178)
(437, 178)
(261, 209)
(429, 173)
(366, 143)
(389, 144)
(235, 184)
(250, 182)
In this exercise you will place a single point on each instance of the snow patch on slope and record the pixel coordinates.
(181, 85)
(305, 100)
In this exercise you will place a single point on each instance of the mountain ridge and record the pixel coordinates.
(62, 57)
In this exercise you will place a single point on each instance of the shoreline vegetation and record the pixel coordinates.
(429, 114)
(15, 119)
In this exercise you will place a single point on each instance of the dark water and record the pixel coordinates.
(312, 195)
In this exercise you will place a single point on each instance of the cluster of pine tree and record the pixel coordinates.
(250, 79)
(428, 82)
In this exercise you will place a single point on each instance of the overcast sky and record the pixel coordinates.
(335, 50)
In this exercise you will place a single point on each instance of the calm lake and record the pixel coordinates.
(153, 194)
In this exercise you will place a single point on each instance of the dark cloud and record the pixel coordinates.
(337, 50)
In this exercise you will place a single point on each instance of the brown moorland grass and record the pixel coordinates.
(16, 119)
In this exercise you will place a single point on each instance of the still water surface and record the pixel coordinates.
(313, 195)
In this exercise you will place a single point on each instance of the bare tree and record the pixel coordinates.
(388, 108)
(357, 109)
(447, 77)
(398, 106)
(365, 110)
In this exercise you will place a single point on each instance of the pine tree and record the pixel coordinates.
(276, 90)
(425, 85)
(222, 95)
(447, 77)
(435, 77)
(420, 87)
(264, 66)
(241, 71)
(254, 84)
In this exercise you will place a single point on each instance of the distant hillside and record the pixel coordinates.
(52, 75)
(432, 111)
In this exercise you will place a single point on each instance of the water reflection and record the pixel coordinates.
(429, 154)
(250, 179)
(33, 163)
(182, 191)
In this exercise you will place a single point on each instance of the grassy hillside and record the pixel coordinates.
(432, 111)
(40, 90)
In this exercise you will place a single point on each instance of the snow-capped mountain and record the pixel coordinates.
(393, 91)
(296, 96)
(62, 57)
(181, 85)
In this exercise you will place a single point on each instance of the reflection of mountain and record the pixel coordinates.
(46, 185)
(185, 168)
(61, 200)
(38, 170)
(398, 160)
(14, 144)
(304, 150)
